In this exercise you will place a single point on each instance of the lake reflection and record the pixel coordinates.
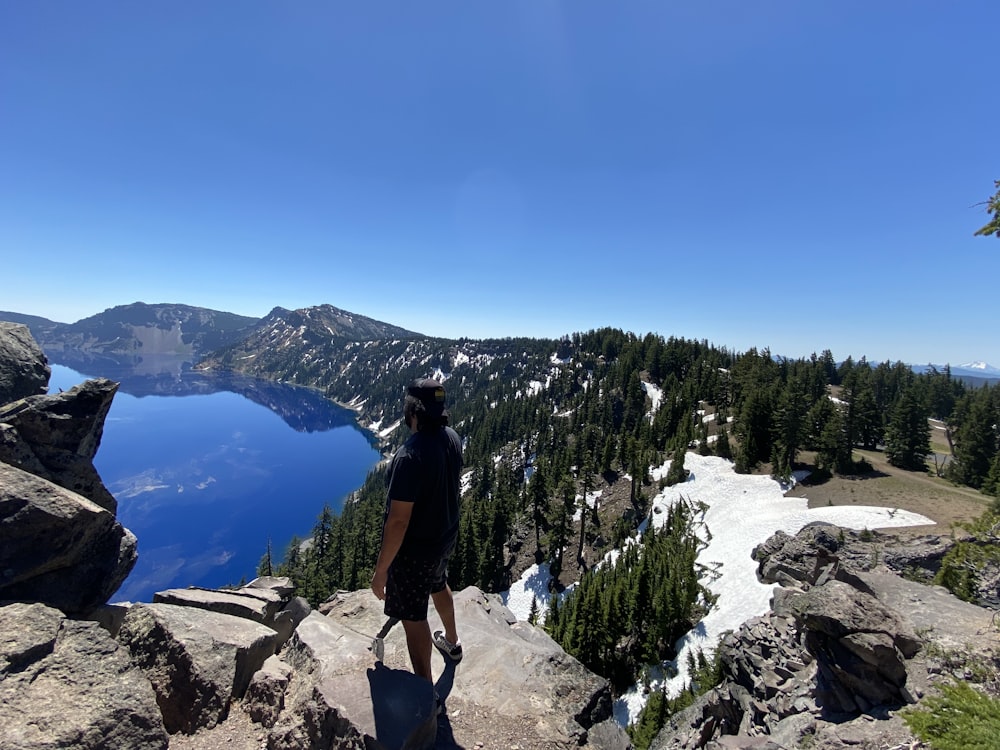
(210, 468)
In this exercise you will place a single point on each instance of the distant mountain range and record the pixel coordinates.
(131, 332)
(285, 344)
(973, 373)
(980, 367)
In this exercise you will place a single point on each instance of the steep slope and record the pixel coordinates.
(365, 364)
(289, 339)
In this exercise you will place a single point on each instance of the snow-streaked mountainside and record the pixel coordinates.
(367, 368)
(740, 512)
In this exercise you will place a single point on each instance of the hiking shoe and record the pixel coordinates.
(452, 650)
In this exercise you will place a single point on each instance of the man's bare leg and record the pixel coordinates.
(418, 643)
(445, 606)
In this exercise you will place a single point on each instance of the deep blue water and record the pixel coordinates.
(206, 475)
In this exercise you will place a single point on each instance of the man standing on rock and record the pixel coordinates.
(421, 526)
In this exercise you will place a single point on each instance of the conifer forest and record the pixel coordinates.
(546, 422)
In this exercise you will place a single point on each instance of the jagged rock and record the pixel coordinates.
(791, 560)
(289, 618)
(917, 557)
(511, 668)
(332, 701)
(56, 437)
(837, 609)
(281, 585)
(110, 617)
(988, 585)
(818, 553)
(542, 682)
(859, 644)
(933, 611)
(265, 697)
(608, 735)
(67, 684)
(264, 600)
(257, 604)
(198, 661)
(24, 370)
(59, 548)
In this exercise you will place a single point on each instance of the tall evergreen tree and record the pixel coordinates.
(677, 473)
(975, 440)
(908, 436)
(991, 485)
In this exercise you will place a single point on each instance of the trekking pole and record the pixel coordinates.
(378, 642)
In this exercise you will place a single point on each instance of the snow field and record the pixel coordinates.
(740, 512)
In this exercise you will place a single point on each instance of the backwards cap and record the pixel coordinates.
(430, 393)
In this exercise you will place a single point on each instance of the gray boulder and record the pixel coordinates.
(198, 661)
(521, 671)
(793, 560)
(514, 675)
(24, 370)
(257, 604)
(818, 553)
(58, 547)
(57, 436)
(860, 646)
(289, 618)
(280, 585)
(68, 684)
(330, 703)
(265, 696)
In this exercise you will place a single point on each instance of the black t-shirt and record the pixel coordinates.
(425, 471)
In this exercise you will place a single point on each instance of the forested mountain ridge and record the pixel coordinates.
(369, 374)
(551, 425)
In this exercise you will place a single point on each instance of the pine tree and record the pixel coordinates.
(538, 495)
(677, 474)
(533, 612)
(908, 436)
(722, 447)
(975, 441)
(991, 486)
(869, 431)
(264, 567)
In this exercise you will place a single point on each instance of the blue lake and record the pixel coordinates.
(207, 469)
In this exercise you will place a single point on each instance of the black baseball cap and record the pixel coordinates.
(430, 393)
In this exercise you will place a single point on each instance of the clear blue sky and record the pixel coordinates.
(791, 174)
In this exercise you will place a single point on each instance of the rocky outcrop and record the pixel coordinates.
(837, 655)
(195, 664)
(68, 684)
(822, 552)
(57, 436)
(860, 647)
(61, 544)
(197, 661)
(515, 669)
(58, 547)
(24, 370)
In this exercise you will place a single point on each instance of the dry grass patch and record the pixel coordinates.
(889, 487)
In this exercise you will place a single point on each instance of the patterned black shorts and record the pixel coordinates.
(410, 583)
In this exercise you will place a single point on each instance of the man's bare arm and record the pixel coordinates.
(396, 524)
